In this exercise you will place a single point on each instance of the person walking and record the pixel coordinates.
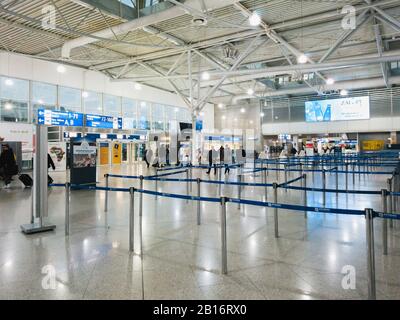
(228, 157)
(212, 160)
(8, 165)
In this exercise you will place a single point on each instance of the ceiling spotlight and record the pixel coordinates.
(138, 86)
(235, 119)
(254, 19)
(176, 109)
(251, 121)
(220, 105)
(243, 110)
(262, 114)
(223, 117)
(40, 101)
(8, 106)
(250, 92)
(330, 81)
(205, 76)
(199, 21)
(344, 92)
(302, 59)
(61, 69)
(85, 94)
(9, 82)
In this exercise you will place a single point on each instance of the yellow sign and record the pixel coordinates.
(103, 155)
(373, 145)
(117, 154)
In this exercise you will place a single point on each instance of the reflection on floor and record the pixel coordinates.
(182, 260)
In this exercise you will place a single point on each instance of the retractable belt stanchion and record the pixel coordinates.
(384, 194)
(370, 253)
(337, 181)
(347, 176)
(67, 192)
(141, 197)
(132, 220)
(276, 226)
(32, 207)
(277, 170)
(390, 206)
(239, 189)
(324, 187)
(354, 176)
(187, 184)
(304, 185)
(106, 197)
(190, 176)
(156, 183)
(286, 176)
(224, 254)
(198, 201)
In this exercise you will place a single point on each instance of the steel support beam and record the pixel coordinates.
(379, 46)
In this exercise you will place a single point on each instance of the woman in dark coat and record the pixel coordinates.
(8, 166)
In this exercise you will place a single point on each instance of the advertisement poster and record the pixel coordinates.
(84, 155)
(19, 132)
(116, 153)
(354, 108)
(58, 153)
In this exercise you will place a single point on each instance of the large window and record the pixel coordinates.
(129, 110)
(144, 115)
(112, 105)
(44, 96)
(14, 100)
(92, 102)
(158, 116)
(70, 99)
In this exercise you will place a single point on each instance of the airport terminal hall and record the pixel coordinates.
(199, 157)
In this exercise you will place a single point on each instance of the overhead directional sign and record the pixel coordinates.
(103, 122)
(58, 118)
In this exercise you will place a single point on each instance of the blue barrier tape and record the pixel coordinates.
(333, 190)
(397, 194)
(383, 215)
(164, 174)
(56, 185)
(178, 196)
(123, 176)
(290, 181)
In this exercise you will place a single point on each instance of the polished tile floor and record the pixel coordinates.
(182, 260)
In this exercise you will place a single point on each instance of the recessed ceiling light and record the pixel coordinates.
(61, 68)
(250, 91)
(8, 106)
(223, 117)
(330, 81)
(243, 110)
(85, 94)
(302, 59)
(262, 114)
(205, 76)
(220, 105)
(9, 82)
(254, 19)
(235, 119)
(143, 104)
(138, 86)
(344, 92)
(40, 101)
(251, 121)
(176, 109)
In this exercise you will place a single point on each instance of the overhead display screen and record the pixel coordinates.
(58, 118)
(354, 108)
(103, 122)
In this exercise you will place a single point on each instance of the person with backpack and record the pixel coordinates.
(8, 165)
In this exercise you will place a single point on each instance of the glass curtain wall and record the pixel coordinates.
(14, 100)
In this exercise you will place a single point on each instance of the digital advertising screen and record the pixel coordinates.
(354, 108)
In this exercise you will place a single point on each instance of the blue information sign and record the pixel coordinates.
(103, 122)
(58, 118)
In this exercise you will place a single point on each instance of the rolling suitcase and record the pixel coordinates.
(26, 180)
(49, 180)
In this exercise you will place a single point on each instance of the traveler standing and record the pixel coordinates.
(8, 165)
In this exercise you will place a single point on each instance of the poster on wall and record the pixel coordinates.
(58, 153)
(84, 155)
(19, 132)
(354, 108)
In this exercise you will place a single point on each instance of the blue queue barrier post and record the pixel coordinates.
(198, 201)
(190, 177)
(337, 181)
(132, 220)
(106, 197)
(141, 196)
(369, 222)
(304, 185)
(32, 207)
(384, 197)
(354, 176)
(286, 176)
(239, 189)
(156, 184)
(347, 176)
(390, 206)
(324, 187)
(276, 223)
(67, 196)
(267, 169)
(277, 169)
(224, 254)
(187, 184)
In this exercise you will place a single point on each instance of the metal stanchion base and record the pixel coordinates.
(36, 228)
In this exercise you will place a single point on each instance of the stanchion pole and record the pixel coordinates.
(141, 196)
(337, 181)
(286, 177)
(187, 184)
(324, 187)
(132, 220)
(354, 176)
(32, 207)
(67, 193)
(106, 198)
(304, 185)
(370, 253)
(384, 194)
(390, 206)
(275, 186)
(155, 198)
(277, 170)
(191, 177)
(347, 177)
(239, 189)
(198, 201)
(224, 254)
(267, 168)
